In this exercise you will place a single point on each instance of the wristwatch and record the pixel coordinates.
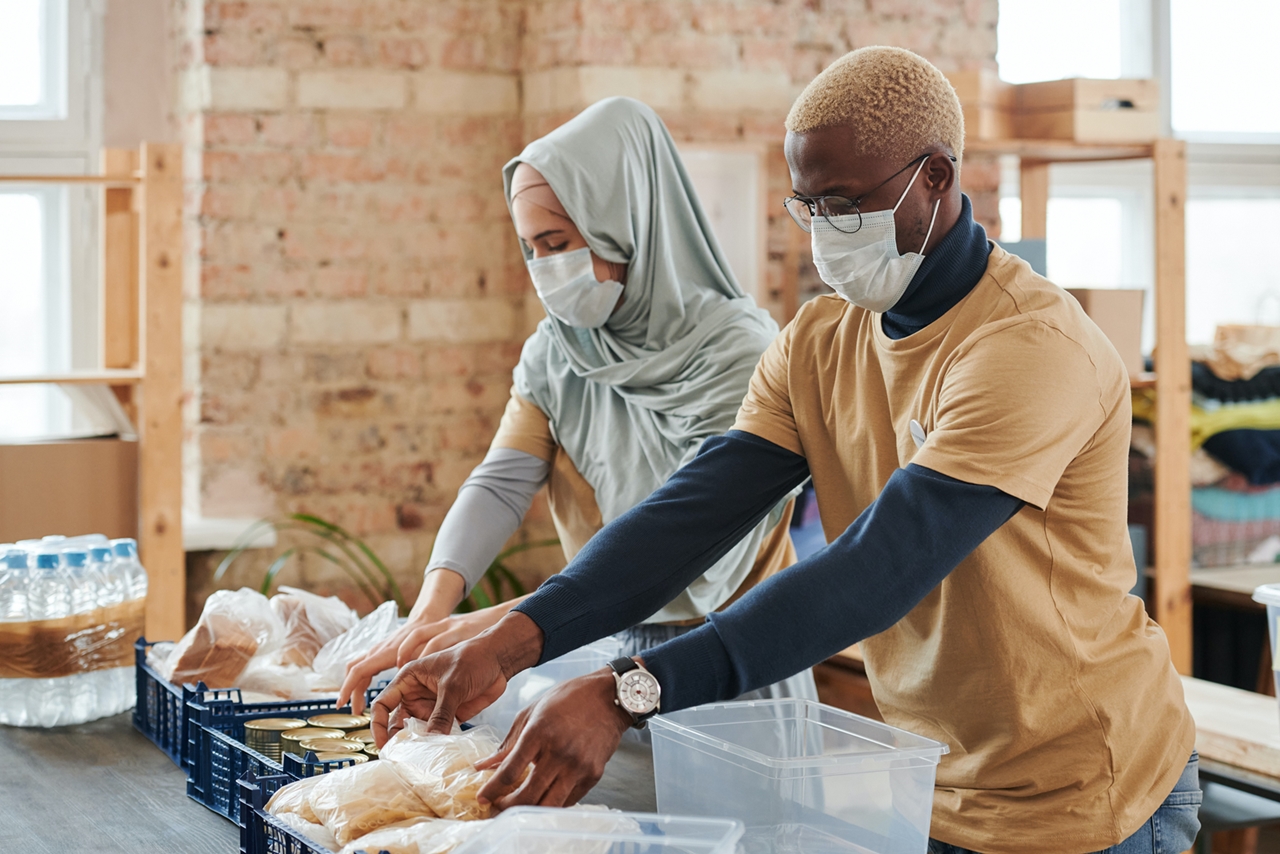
(638, 690)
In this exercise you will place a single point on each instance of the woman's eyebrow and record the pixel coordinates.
(543, 234)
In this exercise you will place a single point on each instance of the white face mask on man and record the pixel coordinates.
(566, 283)
(865, 267)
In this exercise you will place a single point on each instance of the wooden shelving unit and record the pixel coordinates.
(1172, 377)
(141, 300)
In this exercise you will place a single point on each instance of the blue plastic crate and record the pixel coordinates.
(217, 756)
(161, 711)
(260, 833)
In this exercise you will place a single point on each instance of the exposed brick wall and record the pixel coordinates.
(356, 297)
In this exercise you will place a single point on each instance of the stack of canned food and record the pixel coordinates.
(329, 737)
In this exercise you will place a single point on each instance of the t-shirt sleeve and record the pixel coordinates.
(766, 411)
(1014, 410)
(525, 427)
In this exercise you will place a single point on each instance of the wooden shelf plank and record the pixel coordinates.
(1060, 150)
(108, 180)
(1235, 727)
(104, 377)
(1146, 379)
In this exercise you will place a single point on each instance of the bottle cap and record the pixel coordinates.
(125, 547)
(75, 557)
(16, 559)
(46, 560)
(100, 554)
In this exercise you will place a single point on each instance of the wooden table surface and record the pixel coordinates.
(103, 787)
(1233, 585)
(1234, 727)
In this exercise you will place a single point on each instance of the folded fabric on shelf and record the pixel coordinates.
(1263, 385)
(1216, 542)
(1253, 453)
(1261, 415)
(1230, 505)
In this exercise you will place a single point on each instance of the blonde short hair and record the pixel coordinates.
(900, 103)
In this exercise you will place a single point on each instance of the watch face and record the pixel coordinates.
(638, 692)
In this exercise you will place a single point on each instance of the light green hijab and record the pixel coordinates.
(632, 401)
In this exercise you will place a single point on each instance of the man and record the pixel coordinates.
(966, 427)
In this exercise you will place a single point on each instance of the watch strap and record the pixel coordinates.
(623, 664)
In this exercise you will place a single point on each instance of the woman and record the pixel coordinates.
(646, 351)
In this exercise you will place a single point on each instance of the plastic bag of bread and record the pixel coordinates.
(310, 621)
(295, 798)
(418, 836)
(316, 833)
(235, 626)
(441, 768)
(358, 800)
(331, 661)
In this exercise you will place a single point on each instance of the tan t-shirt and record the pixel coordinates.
(572, 501)
(1055, 692)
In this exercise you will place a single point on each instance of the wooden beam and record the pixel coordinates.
(160, 404)
(1172, 535)
(119, 287)
(1034, 186)
(108, 180)
(104, 377)
(1059, 150)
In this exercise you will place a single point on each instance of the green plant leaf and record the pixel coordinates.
(392, 586)
(274, 570)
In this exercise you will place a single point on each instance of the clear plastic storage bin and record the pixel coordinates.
(802, 777)
(529, 685)
(540, 830)
(1269, 595)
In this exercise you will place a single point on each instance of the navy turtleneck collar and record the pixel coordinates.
(947, 275)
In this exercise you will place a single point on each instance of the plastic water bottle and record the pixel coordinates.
(15, 576)
(49, 599)
(126, 551)
(118, 686)
(110, 580)
(81, 689)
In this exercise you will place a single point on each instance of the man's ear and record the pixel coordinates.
(940, 173)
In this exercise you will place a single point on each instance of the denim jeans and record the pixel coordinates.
(1171, 830)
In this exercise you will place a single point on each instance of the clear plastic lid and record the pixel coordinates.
(1268, 594)
(125, 547)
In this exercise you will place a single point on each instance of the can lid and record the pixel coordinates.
(371, 750)
(275, 724)
(332, 745)
(1268, 594)
(364, 735)
(303, 733)
(342, 722)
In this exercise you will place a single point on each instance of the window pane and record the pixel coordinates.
(1231, 277)
(1052, 39)
(1225, 74)
(1084, 244)
(21, 53)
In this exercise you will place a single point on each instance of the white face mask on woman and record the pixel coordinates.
(566, 283)
(865, 267)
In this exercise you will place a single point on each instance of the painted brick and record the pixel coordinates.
(242, 327)
(742, 90)
(573, 88)
(245, 89)
(344, 322)
(463, 92)
(351, 90)
(461, 320)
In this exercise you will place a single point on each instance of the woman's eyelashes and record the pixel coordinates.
(558, 247)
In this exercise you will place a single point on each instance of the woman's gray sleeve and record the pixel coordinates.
(491, 504)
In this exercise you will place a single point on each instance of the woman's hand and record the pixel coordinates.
(441, 592)
(454, 629)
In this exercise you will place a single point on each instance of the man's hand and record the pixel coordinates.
(460, 681)
(452, 630)
(568, 736)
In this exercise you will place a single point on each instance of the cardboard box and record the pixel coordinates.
(1118, 314)
(71, 487)
(1085, 110)
(987, 103)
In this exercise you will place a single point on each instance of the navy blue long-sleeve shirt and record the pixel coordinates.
(919, 528)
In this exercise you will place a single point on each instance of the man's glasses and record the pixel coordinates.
(804, 209)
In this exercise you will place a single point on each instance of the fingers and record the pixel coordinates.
(444, 713)
(580, 792)
(411, 647)
(360, 674)
(558, 792)
(385, 703)
(482, 701)
(508, 777)
(444, 640)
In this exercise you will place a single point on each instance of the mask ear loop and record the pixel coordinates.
(933, 218)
